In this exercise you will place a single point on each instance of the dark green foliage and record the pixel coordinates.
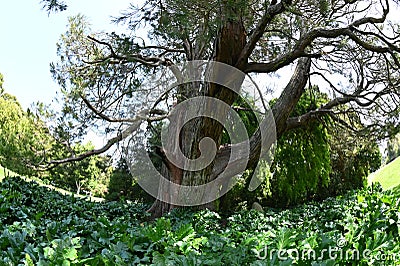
(245, 109)
(319, 160)
(121, 182)
(301, 166)
(123, 186)
(324, 7)
(42, 227)
(353, 159)
(302, 159)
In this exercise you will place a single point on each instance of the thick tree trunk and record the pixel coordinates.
(228, 47)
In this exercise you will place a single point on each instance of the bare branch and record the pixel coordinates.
(151, 61)
(307, 39)
(136, 122)
(302, 120)
(278, 63)
(271, 12)
(103, 116)
(166, 49)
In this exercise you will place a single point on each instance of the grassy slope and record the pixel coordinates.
(3, 172)
(388, 176)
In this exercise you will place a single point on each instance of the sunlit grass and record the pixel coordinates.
(4, 172)
(1, 172)
(388, 176)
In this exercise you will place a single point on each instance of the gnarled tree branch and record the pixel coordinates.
(134, 126)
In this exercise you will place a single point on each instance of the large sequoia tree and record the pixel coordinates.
(349, 47)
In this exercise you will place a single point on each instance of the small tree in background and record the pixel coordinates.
(393, 148)
(353, 158)
(91, 174)
(123, 186)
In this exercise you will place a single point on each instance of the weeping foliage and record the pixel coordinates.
(318, 161)
(302, 159)
(301, 166)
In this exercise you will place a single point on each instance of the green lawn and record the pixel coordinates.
(388, 176)
(4, 172)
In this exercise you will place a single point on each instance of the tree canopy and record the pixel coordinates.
(26, 142)
(349, 48)
(24, 138)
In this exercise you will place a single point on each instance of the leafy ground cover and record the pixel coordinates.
(388, 176)
(40, 226)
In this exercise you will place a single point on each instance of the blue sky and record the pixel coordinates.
(28, 42)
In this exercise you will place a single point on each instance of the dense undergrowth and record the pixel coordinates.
(42, 227)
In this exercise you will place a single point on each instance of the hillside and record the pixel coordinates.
(388, 176)
(5, 172)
